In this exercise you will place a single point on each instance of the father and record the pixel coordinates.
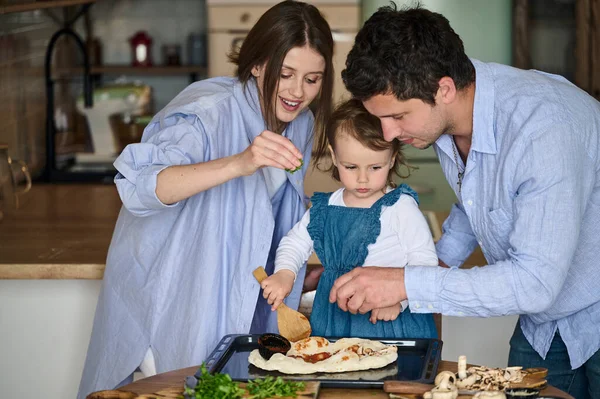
(522, 151)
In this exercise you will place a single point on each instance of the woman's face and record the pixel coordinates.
(300, 81)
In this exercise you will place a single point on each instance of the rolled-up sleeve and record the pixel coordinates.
(178, 140)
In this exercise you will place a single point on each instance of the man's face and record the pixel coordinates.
(412, 121)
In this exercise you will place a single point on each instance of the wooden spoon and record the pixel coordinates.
(292, 325)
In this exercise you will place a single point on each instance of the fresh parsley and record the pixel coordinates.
(297, 168)
(270, 387)
(214, 386)
(221, 386)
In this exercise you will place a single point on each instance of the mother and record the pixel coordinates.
(206, 199)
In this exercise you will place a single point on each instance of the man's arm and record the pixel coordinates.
(458, 241)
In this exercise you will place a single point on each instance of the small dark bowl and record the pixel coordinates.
(521, 393)
(270, 344)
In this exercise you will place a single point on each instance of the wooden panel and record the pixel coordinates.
(37, 5)
(521, 58)
(595, 49)
(236, 18)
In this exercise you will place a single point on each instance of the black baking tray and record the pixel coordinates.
(418, 361)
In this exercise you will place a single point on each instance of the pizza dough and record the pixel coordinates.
(318, 355)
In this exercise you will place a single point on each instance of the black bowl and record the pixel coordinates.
(521, 393)
(270, 344)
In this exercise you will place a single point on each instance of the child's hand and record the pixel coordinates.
(386, 314)
(277, 286)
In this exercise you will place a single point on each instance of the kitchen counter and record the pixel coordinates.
(63, 232)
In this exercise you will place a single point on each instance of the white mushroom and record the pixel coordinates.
(489, 395)
(462, 367)
(438, 393)
(445, 380)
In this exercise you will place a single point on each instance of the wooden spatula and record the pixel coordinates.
(292, 325)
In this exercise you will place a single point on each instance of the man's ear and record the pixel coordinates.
(446, 93)
(332, 154)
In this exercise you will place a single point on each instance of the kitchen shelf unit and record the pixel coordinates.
(39, 5)
(194, 71)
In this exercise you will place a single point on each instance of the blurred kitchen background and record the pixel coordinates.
(141, 53)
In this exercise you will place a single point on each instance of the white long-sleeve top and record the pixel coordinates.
(405, 239)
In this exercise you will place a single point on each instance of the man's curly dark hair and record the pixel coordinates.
(406, 52)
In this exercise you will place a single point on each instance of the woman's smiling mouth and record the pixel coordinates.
(290, 105)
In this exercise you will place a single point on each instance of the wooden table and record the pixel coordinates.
(176, 378)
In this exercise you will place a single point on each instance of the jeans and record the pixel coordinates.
(581, 383)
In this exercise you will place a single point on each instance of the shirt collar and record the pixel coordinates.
(483, 138)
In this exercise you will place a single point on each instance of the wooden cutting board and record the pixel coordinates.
(534, 378)
(311, 391)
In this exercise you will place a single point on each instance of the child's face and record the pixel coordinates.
(363, 171)
(300, 81)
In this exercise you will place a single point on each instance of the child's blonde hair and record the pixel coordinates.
(353, 119)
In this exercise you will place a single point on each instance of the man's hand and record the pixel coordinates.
(366, 288)
(277, 286)
(386, 314)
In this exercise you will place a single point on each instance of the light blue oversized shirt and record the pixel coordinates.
(179, 277)
(531, 200)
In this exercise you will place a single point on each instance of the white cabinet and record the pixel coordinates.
(230, 21)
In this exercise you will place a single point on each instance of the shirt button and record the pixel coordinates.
(417, 305)
(430, 306)
(470, 202)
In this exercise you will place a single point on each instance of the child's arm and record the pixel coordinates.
(386, 314)
(414, 232)
(277, 286)
(295, 248)
(292, 253)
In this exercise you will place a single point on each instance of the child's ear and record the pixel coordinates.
(332, 154)
(393, 160)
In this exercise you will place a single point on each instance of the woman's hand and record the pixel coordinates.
(269, 149)
(386, 314)
(278, 286)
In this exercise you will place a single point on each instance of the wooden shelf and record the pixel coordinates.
(158, 70)
(38, 5)
(153, 70)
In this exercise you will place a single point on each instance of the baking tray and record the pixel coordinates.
(417, 361)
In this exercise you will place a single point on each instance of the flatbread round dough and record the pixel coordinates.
(347, 354)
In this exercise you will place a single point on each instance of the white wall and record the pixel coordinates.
(45, 327)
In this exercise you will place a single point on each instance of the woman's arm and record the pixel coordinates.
(179, 182)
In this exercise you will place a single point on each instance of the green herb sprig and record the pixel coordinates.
(221, 386)
(214, 386)
(297, 168)
(270, 387)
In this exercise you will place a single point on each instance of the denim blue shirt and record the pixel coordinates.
(530, 199)
(179, 277)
